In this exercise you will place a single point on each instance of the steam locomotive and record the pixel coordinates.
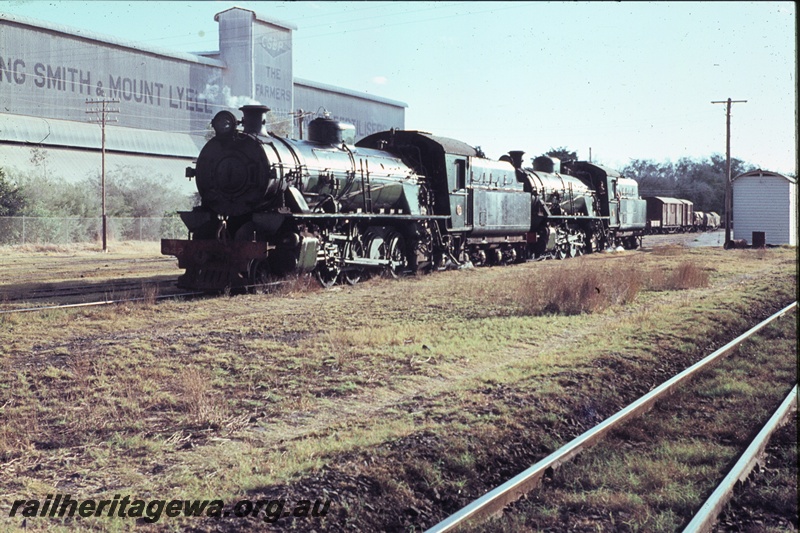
(396, 202)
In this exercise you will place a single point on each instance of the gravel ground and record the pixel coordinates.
(693, 240)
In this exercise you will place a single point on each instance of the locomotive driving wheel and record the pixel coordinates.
(354, 250)
(397, 255)
(328, 271)
(327, 275)
(260, 276)
(388, 245)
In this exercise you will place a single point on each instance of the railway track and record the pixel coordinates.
(57, 291)
(98, 303)
(150, 292)
(706, 517)
(494, 502)
(54, 268)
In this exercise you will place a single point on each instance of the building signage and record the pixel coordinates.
(15, 71)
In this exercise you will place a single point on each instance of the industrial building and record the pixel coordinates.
(165, 99)
(765, 203)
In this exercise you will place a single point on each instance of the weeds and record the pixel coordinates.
(197, 398)
(686, 276)
(584, 286)
(578, 290)
(150, 294)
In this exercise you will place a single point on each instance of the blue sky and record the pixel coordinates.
(630, 80)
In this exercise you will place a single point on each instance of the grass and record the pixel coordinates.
(245, 395)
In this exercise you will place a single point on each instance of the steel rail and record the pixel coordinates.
(494, 501)
(102, 302)
(123, 300)
(80, 290)
(707, 516)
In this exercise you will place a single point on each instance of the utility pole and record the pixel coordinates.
(728, 192)
(102, 119)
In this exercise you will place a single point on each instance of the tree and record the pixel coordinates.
(12, 201)
(563, 153)
(702, 181)
(131, 193)
(655, 179)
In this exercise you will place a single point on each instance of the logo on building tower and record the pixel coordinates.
(274, 46)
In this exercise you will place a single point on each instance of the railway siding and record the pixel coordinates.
(654, 473)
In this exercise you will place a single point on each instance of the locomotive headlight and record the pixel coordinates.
(224, 124)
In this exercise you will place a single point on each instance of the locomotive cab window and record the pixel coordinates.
(461, 174)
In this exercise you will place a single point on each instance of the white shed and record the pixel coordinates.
(765, 201)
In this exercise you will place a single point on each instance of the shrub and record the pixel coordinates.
(687, 275)
(579, 288)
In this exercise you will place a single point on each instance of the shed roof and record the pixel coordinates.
(766, 173)
(108, 40)
(36, 131)
(348, 92)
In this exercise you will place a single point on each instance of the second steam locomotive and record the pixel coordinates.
(396, 202)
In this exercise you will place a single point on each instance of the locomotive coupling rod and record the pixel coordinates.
(576, 217)
(371, 262)
(494, 501)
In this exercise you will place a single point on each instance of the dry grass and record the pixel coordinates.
(579, 288)
(150, 294)
(669, 250)
(586, 285)
(219, 396)
(686, 275)
(198, 398)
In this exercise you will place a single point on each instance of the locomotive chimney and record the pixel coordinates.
(516, 157)
(253, 118)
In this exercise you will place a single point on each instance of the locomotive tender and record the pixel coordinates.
(395, 202)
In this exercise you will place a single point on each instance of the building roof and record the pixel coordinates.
(108, 40)
(666, 199)
(766, 173)
(348, 92)
(259, 17)
(49, 132)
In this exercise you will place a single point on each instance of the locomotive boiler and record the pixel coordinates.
(395, 202)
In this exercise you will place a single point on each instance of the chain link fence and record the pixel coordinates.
(65, 230)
